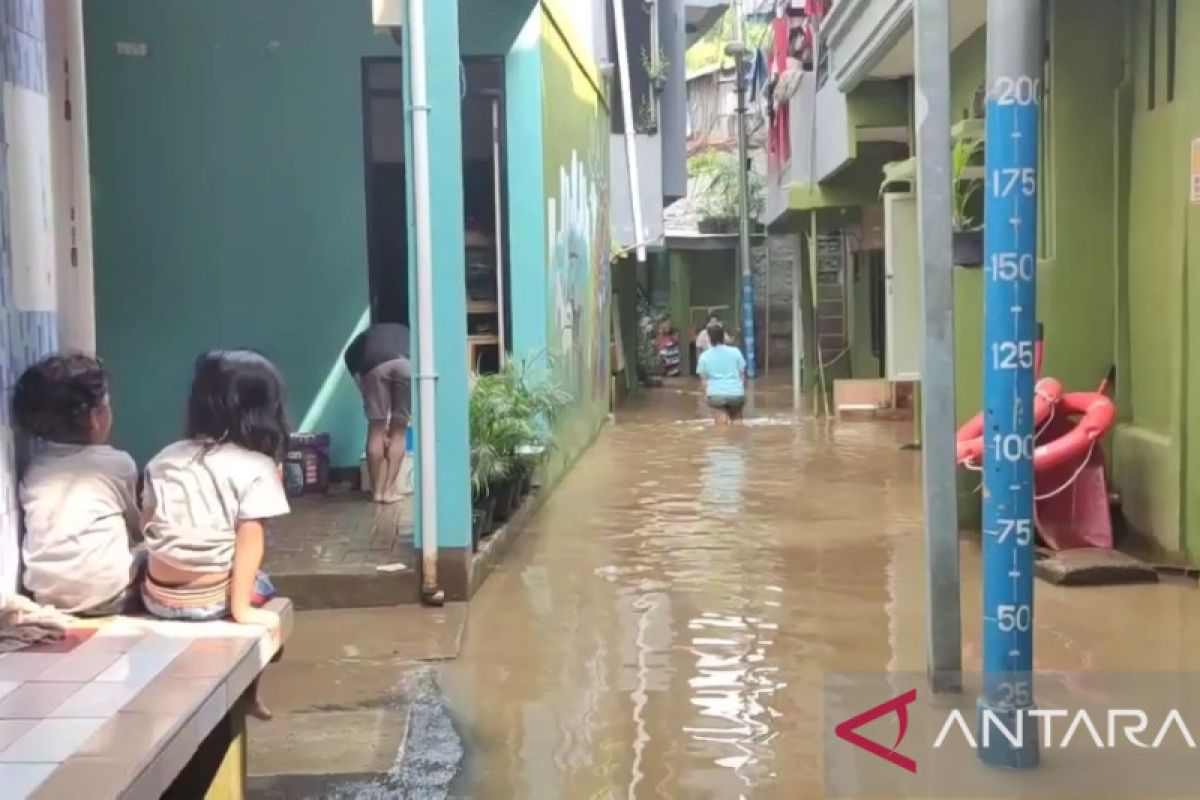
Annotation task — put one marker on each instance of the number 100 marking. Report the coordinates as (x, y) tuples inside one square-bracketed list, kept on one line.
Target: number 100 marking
[(1012, 447)]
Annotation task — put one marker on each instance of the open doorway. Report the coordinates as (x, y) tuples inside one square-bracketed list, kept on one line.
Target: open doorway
[(489, 327), (387, 199)]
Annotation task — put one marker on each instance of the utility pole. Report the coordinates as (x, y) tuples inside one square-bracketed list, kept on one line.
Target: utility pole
[(1016, 50), (943, 602), (739, 49)]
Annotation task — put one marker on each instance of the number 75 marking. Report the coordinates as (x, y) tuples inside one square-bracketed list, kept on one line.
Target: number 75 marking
[(1022, 527)]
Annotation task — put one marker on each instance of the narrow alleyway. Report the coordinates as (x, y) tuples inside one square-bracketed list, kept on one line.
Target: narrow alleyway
[(663, 628)]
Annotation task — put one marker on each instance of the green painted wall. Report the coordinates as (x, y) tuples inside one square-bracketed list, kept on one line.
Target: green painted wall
[(576, 163), (863, 362), (1077, 268), (712, 277), (878, 104), (526, 185), (1157, 452), (855, 185), (227, 171)]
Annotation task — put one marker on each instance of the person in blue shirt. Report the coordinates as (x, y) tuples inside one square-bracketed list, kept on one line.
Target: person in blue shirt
[(723, 370)]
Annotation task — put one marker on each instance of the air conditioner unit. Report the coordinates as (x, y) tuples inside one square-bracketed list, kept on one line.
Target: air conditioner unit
[(387, 13)]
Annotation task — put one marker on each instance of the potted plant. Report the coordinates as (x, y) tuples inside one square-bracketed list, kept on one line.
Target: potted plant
[(647, 121), (968, 231), (510, 419), (721, 207), (658, 69)]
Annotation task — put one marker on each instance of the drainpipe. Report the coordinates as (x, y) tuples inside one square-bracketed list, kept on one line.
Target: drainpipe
[(635, 196), (431, 593), (1016, 52), (943, 622)]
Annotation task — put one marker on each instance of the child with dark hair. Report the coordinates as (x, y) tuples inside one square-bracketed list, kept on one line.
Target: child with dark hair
[(78, 494), (209, 496)]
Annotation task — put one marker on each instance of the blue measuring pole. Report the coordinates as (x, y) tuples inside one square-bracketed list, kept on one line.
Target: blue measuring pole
[(1015, 57), (748, 325)]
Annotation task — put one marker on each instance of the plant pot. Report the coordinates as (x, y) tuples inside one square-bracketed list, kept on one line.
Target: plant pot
[(486, 504), (502, 493), (718, 225), (478, 519), (968, 248)]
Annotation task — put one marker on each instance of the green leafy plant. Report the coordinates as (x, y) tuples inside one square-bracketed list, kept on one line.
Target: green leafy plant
[(647, 121), (721, 191), (658, 68), (511, 416), (964, 188)]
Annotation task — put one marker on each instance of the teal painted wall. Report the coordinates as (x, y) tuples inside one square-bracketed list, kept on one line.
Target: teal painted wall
[(228, 200), (526, 189), (449, 282), (490, 27)]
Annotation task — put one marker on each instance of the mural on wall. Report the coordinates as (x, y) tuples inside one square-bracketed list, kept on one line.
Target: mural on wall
[(576, 139)]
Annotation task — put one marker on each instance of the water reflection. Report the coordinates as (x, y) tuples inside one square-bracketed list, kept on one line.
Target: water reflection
[(721, 479), (663, 628)]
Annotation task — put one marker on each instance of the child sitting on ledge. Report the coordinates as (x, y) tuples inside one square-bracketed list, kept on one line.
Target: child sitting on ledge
[(78, 494), (209, 497)]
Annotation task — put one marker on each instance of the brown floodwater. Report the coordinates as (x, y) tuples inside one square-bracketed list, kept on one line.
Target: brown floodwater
[(663, 628)]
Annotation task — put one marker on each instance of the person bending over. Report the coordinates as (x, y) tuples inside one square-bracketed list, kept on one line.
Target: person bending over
[(378, 359)]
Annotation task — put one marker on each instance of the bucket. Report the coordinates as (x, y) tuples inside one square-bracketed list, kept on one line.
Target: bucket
[(306, 464)]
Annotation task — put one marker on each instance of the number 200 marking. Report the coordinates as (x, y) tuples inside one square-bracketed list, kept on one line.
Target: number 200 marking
[(1022, 91)]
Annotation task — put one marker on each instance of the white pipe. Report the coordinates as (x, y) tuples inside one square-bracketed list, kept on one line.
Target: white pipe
[(426, 375), (497, 174), (635, 196)]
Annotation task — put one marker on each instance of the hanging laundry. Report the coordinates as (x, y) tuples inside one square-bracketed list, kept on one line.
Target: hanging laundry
[(758, 74), (779, 139)]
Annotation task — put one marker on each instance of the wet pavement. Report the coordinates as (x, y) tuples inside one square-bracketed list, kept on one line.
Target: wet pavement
[(663, 628), (327, 552)]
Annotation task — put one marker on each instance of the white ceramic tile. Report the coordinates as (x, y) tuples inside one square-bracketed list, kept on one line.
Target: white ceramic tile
[(80, 665), (156, 642), (98, 700), (27, 666), (51, 740), (8, 687), (36, 700), (137, 667), (20, 780)]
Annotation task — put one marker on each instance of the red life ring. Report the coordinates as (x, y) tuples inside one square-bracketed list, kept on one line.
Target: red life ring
[(970, 447), (1097, 414)]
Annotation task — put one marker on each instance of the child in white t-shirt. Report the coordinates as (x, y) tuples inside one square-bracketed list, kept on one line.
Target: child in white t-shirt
[(78, 494), (209, 497)]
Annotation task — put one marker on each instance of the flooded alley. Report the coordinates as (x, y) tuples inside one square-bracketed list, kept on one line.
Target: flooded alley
[(664, 627)]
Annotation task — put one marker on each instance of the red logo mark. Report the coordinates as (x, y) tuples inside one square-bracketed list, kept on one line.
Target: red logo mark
[(898, 706)]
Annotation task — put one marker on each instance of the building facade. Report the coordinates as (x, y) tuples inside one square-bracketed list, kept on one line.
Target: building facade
[(1120, 118), (232, 175)]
